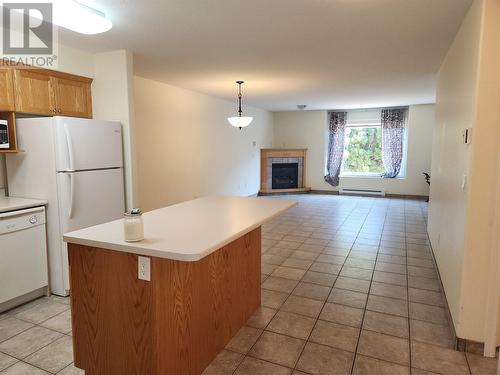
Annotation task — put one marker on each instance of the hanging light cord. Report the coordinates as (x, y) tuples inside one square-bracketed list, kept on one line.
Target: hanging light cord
[(239, 98)]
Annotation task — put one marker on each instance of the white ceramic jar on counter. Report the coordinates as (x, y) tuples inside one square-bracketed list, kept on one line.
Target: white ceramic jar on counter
[(133, 226)]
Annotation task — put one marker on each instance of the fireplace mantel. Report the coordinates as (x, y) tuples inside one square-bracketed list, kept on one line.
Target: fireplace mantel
[(269, 156)]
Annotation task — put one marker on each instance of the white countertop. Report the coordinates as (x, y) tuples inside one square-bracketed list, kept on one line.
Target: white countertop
[(13, 204), (187, 231)]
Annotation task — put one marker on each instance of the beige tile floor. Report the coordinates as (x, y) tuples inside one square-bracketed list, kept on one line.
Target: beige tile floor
[(348, 287), (35, 339)]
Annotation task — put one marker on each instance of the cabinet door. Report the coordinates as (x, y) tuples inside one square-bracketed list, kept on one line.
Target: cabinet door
[(73, 98), (6, 90), (33, 92)]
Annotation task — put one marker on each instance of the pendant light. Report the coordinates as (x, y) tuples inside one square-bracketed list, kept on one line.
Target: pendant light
[(240, 121)]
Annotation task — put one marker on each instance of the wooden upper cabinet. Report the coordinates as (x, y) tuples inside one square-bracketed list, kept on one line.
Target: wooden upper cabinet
[(73, 97), (6, 90), (46, 92), (33, 92)]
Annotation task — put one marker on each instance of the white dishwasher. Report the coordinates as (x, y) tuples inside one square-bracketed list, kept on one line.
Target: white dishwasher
[(23, 256)]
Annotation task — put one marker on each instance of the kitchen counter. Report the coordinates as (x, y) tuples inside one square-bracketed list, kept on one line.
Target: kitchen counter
[(187, 231), (13, 204), (168, 304)]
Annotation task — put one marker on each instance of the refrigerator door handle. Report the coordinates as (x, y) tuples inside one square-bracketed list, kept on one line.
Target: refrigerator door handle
[(69, 143), (71, 195)]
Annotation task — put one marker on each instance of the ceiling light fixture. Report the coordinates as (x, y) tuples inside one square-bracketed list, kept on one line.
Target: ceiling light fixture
[(75, 16), (78, 17), (240, 121)]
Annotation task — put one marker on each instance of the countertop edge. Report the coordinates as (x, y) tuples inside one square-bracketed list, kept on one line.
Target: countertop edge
[(23, 206), (131, 248)]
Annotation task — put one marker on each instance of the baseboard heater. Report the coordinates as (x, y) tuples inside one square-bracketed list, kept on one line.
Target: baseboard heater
[(378, 193)]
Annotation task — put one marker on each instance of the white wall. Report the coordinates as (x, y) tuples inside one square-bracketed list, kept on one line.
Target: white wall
[(75, 61), (461, 218), (454, 111), (309, 129), (112, 99), (304, 129), (186, 148), (483, 179)]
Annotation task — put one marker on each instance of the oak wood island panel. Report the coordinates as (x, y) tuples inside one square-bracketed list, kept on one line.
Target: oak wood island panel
[(180, 320)]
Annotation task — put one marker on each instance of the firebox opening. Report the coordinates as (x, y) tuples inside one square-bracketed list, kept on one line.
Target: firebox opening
[(285, 175)]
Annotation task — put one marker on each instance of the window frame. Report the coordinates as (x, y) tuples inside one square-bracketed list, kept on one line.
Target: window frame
[(360, 174), (403, 174)]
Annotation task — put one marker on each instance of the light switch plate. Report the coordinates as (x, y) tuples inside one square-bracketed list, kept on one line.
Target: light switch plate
[(144, 268)]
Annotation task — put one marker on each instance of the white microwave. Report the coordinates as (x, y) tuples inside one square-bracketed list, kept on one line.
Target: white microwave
[(4, 134)]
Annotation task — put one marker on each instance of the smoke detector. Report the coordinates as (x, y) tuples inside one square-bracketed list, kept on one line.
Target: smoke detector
[(301, 106)]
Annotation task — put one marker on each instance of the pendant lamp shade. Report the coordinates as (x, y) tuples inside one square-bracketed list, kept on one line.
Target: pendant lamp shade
[(240, 121)]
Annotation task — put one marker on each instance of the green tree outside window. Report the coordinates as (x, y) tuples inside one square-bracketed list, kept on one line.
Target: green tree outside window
[(363, 150)]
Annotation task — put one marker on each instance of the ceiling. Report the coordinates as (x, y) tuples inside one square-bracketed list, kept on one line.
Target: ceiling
[(323, 53)]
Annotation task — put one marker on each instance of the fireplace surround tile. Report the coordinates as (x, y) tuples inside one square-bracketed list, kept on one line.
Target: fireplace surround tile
[(282, 156), (276, 160)]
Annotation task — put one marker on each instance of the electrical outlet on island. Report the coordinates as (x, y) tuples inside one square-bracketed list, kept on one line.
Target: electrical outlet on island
[(144, 268)]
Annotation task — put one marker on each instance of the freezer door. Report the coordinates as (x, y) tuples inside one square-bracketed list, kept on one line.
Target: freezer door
[(83, 144), (88, 198)]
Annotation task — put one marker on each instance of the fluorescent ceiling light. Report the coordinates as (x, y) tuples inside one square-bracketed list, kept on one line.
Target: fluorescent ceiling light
[(80, 18), (74, 16)]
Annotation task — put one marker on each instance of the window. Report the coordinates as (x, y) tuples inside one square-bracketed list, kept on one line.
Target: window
[(363, 150), (355, 140)]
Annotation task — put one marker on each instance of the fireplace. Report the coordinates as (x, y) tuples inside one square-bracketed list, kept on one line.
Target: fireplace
[(285, 175), (283, 170)]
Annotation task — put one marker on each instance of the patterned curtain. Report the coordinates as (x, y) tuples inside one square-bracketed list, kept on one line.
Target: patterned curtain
[(335, 147), (393, 132)]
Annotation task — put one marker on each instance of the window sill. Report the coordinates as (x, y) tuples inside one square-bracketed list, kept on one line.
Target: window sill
[(373, 176), (360, 175)]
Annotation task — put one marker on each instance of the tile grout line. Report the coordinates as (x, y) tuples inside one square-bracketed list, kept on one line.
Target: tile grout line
[(36, 351), (408, 295), (347, 257), (247, 354), (34, 325), (8, 312), (279, 309), (326, 300), (368, 294), (346, 261)]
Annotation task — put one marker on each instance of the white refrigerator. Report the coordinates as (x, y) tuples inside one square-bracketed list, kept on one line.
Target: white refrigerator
[(75, 164)]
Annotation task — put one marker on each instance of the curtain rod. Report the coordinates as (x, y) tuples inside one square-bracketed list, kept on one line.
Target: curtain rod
[(368, 109)]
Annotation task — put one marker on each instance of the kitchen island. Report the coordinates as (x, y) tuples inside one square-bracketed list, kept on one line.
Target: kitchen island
[(205, 260)]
